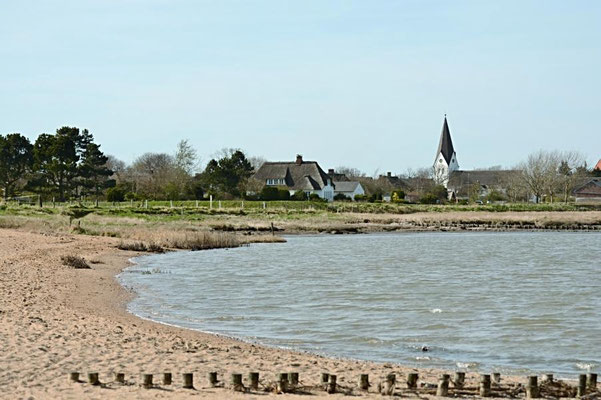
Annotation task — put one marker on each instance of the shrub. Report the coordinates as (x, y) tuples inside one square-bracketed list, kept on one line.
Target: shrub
[(361, 197), (269, 193), (75, 262), (115, 194), (283, 194), (398, 196), (342, 197), (299, 195), (429, 198), (140, 246)]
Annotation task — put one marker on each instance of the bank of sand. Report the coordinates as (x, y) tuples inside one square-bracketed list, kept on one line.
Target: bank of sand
[(55, 319)]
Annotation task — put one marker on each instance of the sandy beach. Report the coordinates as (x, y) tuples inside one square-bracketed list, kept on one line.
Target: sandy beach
[(55, 320)]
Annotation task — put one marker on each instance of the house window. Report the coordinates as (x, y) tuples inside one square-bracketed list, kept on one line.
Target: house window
[(273, 182)]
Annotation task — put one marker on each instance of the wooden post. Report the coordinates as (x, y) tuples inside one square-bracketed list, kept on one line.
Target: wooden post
[(325, 377), (188, 381), (40, 201), (581, 391), (242, 205), (171, 203), (146, 381), (167, 378), (93, 378), (146, 204), (119, 377), (364, 382), (443, 386), (253, 377), (412, 380), (549, 378), (496, 377), (532, 391), (332, 384), (293, 378), (213, 378), (283, 383), (237, 385), (196, 203), (485, 385), (74, 376), (220, 204), (390, 384), (264, 205), (459, 379), (96, 203), (211, 201), (591, 381)]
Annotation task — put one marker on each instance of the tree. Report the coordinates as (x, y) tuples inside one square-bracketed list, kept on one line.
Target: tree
[(228, 174), (151, 172), (93, 170), (16, 161), (186, 158), (571, 169), (539, 173)]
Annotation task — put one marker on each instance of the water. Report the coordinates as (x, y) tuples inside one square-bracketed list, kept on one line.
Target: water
[(511, 302)]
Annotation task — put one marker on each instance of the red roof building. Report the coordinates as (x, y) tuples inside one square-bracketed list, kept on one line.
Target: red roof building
[(598, 166)]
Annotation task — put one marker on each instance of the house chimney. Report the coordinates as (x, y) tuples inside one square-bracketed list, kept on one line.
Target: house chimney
[(389, 174), (331, 171), (299, 159)]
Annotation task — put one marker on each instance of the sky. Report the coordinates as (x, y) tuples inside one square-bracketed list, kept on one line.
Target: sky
[(363, 84)]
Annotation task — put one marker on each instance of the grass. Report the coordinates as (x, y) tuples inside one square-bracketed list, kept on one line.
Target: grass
[(75, 262)]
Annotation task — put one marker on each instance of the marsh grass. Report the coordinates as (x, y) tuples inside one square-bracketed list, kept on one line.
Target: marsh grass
[(75, 262)]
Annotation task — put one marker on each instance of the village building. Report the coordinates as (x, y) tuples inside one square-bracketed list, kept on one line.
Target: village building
[(590, 192), (462, 184), (348, 188), (299, 175)]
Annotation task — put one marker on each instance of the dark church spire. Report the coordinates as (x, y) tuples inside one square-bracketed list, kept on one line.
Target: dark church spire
[(445, 147)]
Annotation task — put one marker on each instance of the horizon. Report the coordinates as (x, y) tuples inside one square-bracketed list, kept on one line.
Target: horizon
[(342, 83)]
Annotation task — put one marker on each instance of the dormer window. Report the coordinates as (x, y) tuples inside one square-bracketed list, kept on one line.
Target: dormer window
[(275, 182)]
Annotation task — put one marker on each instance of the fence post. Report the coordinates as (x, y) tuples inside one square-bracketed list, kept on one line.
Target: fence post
[(211, 201)]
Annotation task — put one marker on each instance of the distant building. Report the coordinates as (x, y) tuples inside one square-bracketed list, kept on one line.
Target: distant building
[(348, 188), (590, 192), (598, 166), (306, 176), (460, 184)]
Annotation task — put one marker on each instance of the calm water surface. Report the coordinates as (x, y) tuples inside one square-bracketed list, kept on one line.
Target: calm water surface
[(513, 302)]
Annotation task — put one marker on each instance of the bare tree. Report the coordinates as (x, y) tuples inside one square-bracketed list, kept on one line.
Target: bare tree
[(572, 169), (118, 167), (350, 172), (540, 174), (257, 162), (186, 157)]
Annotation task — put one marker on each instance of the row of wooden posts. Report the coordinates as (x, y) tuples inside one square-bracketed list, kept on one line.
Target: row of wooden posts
[(289, 381)]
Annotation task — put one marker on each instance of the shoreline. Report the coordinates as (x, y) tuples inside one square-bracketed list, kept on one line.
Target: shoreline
[(55, 320)]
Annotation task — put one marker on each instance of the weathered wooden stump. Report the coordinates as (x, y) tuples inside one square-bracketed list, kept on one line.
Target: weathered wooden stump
[(293, 378), (549, 378), (325, 377), (74, 376), (146, 381), (93, 378), (390, 385), (237, 383), (167, 378), (283, 383), (412, 378), (443, 386), (364, 382), (332, 387), (591, 381), (253, 377), (213, 379), (119, 377), (459, 379), (532, 390), (188, 379), (485, 385), (581, 391), (496, 377)]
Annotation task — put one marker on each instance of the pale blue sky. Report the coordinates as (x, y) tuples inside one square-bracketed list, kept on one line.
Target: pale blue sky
[(357, 83)]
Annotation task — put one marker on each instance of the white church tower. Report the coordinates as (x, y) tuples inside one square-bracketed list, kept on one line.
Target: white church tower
[(446, 158)]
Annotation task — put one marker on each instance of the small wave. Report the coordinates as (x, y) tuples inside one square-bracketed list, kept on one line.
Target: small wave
[(436, 311), (586, 367), (422, 358), (466, 365)]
